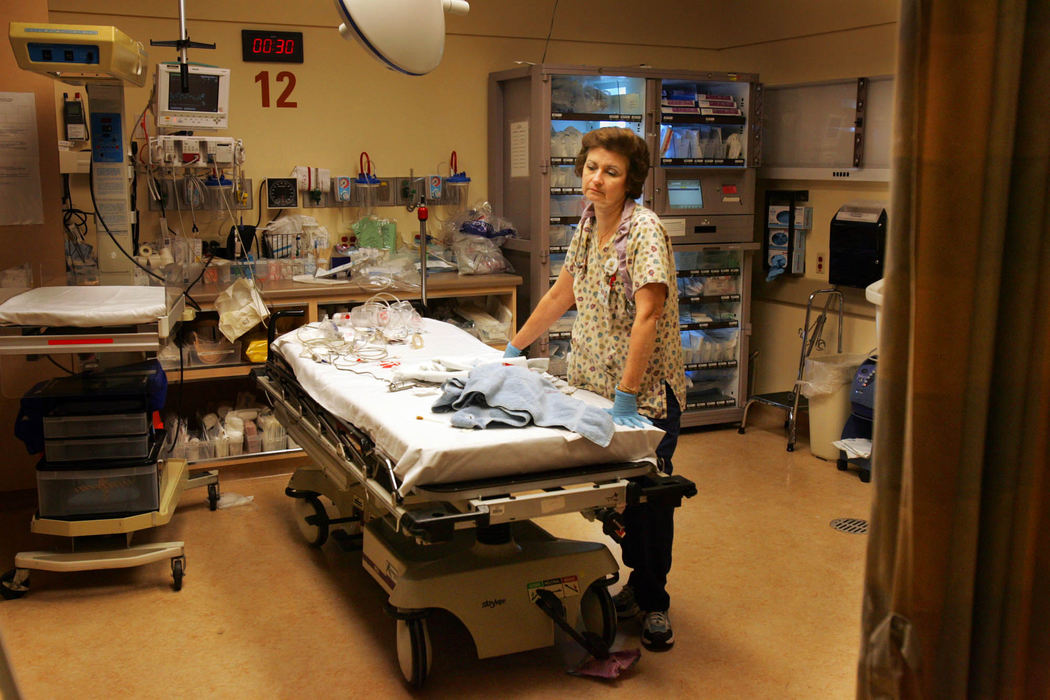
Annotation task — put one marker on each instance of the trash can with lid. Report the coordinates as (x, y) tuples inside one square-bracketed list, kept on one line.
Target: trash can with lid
[(826, 384)]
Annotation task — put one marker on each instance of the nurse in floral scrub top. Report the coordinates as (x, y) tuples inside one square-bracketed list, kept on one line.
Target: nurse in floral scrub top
[(620, 274)]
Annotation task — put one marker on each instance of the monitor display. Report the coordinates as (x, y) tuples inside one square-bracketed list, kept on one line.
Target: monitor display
[(684, 194), (203, 95), (204, 105)]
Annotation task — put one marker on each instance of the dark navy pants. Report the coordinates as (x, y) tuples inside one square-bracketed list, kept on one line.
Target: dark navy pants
[(649, 527)]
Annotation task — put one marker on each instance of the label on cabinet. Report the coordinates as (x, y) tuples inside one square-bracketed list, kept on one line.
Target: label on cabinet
[(675, 227)]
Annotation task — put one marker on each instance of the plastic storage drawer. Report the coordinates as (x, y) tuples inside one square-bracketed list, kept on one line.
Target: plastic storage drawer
[(57, 427), (94, 449), (81, 493)]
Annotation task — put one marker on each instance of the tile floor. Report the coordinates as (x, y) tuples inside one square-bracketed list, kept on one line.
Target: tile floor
[(766, 600)]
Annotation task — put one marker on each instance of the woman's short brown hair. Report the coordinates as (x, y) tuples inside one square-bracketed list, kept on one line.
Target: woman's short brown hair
[(624, 142)]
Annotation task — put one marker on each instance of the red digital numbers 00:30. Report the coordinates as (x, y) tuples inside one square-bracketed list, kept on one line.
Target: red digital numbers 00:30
[(273, 47)]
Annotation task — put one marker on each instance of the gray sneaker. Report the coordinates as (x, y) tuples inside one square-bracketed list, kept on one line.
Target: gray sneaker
[(657, 634), (626, 605)]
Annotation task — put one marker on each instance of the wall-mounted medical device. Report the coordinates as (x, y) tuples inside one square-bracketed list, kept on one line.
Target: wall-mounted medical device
[(79, 54), (195, 151), (206, 105), (104, 60)]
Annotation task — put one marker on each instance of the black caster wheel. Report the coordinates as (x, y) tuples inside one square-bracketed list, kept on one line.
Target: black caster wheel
[(178, 570), (14, 583), (413, 650), (312, 520), (740, 430), (598, 612), (791, 447), (841, 464), (213, 496), (864, 475)]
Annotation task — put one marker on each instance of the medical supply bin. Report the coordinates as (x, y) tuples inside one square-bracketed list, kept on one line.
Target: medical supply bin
[(80, 493), (57, 427), (123, 447)]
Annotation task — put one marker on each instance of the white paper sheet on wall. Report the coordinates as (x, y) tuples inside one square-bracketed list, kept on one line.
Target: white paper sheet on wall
[(21, 200), (519, 149)]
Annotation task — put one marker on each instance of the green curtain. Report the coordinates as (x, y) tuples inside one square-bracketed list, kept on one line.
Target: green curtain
[(957, 589)]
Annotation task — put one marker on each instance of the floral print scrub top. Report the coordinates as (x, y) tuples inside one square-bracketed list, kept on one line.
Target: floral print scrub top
[(605, 307)]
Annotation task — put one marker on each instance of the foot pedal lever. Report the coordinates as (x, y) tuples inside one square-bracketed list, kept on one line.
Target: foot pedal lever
[(555, 610), (612, 523)]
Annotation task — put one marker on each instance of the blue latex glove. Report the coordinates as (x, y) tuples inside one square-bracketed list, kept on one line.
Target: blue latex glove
[(625, 411), (511, 351)]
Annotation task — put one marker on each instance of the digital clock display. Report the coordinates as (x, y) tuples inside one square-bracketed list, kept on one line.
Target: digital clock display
[(259, 46)]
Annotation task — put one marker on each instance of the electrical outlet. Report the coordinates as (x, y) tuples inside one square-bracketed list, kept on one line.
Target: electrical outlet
[(822, 268)]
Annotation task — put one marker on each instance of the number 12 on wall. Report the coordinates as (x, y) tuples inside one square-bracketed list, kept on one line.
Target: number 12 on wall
[(263, 78)]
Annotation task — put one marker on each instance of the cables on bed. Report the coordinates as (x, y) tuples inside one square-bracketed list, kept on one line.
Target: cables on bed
[(360, 335)]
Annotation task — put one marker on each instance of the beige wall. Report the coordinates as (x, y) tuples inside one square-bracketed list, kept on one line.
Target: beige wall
[(779, 307), (41, 245), (348, 103)]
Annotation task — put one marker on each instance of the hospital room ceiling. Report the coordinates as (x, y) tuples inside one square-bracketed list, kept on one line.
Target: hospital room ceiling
[(696, 24)]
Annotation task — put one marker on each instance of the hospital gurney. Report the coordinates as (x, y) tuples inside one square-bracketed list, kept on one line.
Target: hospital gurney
[(444, 513), (99, 319)]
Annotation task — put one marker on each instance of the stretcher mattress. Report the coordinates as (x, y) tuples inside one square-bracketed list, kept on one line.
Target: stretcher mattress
[(424, 446), (84, 307)]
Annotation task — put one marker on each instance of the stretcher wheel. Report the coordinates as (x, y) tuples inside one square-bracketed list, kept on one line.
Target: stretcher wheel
[(598, 612), (413, 650), (14, 584), (213, 496), (841, 464), (178, 570), (312, 520), (865, 475)]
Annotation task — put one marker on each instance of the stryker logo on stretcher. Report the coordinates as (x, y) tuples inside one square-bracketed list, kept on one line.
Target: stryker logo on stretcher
[(493, 603)]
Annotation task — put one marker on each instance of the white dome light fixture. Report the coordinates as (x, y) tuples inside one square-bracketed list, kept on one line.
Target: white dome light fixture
[(408, 36)]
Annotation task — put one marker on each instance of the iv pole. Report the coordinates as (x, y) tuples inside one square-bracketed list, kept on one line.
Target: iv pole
[(422, 214), (182, 44)]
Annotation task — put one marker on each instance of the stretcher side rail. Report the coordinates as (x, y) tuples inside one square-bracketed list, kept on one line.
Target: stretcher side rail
[(339, 460), (352, 443)]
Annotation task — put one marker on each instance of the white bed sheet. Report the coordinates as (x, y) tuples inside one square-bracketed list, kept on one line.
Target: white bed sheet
[(84, 307), (425, 447)]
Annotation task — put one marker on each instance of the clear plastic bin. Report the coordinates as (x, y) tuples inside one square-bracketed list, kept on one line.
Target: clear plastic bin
[(205, 353), (91, 492), (273, 443), (94, 449), (253, 443), (94, 426)]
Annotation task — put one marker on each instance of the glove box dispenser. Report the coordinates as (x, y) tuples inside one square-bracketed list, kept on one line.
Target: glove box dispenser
[(857, 244)]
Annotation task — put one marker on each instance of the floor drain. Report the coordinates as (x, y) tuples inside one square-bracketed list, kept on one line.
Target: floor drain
[(854, 526)]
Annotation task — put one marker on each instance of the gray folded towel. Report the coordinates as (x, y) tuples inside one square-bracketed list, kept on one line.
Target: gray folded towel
[(515, 396)]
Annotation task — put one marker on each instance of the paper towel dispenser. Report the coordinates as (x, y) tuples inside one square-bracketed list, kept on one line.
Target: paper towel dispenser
[(857, 244)]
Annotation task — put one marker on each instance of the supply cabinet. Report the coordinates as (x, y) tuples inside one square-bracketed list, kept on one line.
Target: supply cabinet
[(704, 141)]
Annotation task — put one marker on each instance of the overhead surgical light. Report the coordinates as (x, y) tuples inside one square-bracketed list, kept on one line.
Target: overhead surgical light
[(406, 35)]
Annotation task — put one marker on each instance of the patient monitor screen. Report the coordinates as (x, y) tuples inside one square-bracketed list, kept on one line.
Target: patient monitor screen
[(684, 194), (203, 95)]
